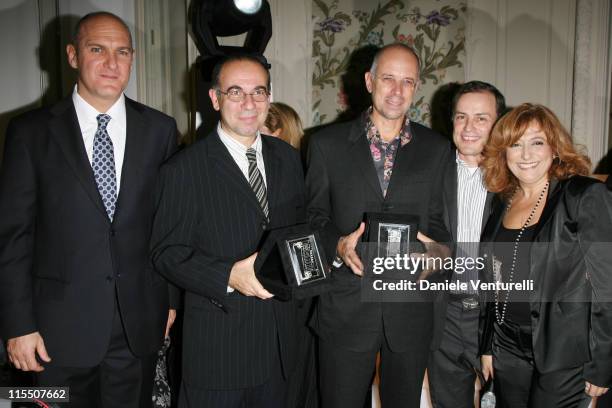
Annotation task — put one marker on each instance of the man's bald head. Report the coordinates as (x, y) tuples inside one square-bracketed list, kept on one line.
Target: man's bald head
[(394, 47), (78, 29)]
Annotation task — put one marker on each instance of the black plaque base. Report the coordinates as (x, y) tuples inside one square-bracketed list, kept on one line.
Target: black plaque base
[(291, 263)]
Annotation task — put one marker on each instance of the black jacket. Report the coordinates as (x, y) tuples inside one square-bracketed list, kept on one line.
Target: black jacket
[(62, 262), (571, 267), (342, 185)]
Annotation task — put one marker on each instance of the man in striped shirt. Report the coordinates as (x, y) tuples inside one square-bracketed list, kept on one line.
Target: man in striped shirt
[(476, 107)]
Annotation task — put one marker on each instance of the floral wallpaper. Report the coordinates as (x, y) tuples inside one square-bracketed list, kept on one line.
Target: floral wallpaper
[(348, 32)]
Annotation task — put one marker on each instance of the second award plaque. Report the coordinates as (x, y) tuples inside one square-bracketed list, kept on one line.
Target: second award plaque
[(291, 263), (391, 234)]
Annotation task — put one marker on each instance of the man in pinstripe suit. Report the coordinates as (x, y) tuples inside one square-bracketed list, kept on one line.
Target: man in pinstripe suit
[(216, 199)]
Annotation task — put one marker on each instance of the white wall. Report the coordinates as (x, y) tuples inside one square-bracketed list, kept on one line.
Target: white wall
[(20, 73), (21, 78), (526, 49), (554, 52)]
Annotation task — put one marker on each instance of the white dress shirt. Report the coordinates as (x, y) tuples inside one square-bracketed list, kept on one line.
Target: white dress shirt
[(471, 198), (116, 128), (238, 152)]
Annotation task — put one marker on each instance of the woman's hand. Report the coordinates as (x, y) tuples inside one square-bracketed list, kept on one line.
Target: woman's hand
[(486, 365)]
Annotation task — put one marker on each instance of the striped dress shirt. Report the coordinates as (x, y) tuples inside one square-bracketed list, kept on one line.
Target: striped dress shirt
[(471, 198)]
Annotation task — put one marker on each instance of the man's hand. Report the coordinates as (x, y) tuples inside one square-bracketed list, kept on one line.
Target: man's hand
[(242, 278), (170, 322), (433, 251), (486, 365), (593, 390), (22, 352), (346, 250)]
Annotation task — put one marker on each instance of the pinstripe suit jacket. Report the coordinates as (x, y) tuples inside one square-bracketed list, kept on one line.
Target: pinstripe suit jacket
[(207, 219)]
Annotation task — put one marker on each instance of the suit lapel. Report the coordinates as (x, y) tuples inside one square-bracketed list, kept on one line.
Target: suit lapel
[(403, 163), (133, 159), (551, 203), (450, 197), (497, 216), (229, 171), (67, 134), (487, 210), (359, 151)]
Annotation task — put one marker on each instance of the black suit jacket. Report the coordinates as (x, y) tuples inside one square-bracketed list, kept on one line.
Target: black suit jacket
[(208, 219), (571, 305), (60, 256), (450, 206), (342, 185)]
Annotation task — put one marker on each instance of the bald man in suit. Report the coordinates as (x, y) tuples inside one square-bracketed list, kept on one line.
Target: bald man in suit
[(80, 303)]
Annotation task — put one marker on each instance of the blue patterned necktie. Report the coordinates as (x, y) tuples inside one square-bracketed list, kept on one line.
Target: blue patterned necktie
[(103, 165), (256, 180)]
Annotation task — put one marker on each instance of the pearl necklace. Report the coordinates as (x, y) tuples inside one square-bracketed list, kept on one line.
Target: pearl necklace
[(501, 316)]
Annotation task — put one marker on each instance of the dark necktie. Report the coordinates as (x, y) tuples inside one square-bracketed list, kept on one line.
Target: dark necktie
[(103, 165), (256, 181)]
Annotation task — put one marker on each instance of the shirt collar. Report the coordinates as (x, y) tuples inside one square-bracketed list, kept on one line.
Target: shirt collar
[(374, 136), (461, 163), (236, 145), (87, 114)]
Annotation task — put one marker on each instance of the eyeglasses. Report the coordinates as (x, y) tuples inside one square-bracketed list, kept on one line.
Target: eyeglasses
[(389, 81), (238, 94)]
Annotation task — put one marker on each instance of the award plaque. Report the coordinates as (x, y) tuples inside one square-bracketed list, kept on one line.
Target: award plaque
[(393, 239), (392, 234), (388, 236), (291, 263), (306, 262)]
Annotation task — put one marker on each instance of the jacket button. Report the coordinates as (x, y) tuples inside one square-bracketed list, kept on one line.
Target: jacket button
[(535, 314), (109, 278), (387, 207), (112, 232)]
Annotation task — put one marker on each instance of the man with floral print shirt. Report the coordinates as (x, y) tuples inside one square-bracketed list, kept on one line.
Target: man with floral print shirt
[(381, 162)]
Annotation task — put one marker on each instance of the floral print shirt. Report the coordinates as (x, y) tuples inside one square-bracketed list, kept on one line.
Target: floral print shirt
[(383, 153)]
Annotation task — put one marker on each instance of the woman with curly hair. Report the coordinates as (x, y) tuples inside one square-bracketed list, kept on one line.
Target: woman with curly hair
[(549, 343)]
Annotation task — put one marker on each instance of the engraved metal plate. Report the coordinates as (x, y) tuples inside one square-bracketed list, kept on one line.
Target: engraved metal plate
[(393, 239), (305, 259)]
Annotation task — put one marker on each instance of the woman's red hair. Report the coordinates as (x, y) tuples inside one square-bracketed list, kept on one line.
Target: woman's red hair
[(509, 129)]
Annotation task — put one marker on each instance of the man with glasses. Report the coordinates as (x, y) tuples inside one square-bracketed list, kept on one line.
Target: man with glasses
[(216, 200), (381, 162)]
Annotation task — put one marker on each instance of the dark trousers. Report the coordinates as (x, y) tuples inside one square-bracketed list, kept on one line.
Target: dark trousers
[(519, 384), (270, 394), (346, 376), (302, 384), (121, 380), (451, 367)]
